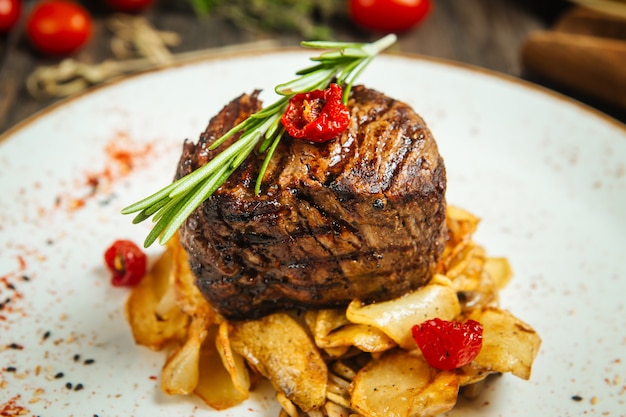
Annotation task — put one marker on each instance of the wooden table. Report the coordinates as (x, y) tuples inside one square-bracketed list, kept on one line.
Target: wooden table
[(484, 33)]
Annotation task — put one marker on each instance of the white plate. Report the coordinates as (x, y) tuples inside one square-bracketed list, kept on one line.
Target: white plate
[(546, 175)]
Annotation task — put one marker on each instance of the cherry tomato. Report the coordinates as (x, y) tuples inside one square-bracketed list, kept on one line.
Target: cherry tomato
[(59, 27), (389, 15), (448, 345), (129, 6), (126, 262), (9, 14)]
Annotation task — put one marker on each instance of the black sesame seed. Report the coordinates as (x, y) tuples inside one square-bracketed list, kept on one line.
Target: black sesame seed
[(46, 335), (78, 387), (10, 286), (577, 398), (16, 346), (59, 375), (11, 369), (378, 204), (76, 357), (89, 361), (68, 385), (25, 278)]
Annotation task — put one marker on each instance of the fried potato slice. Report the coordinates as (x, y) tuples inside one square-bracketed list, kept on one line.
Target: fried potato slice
[(221, 386), (401, 384), (461, 226), (461, 222), (332, 330), (364, 337), (466, 267), (233, 362), (500, 271), (181, 370), (327, 320), (282, 351), (509, 345), (188, 297), (396, 317), (150, 329)]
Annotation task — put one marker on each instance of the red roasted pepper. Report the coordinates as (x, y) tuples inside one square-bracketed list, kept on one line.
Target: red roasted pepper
[(126, 262), (318, 115), (448, 345)]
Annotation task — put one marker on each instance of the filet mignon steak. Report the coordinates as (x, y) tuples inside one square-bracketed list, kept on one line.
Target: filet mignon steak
[(359, 217)]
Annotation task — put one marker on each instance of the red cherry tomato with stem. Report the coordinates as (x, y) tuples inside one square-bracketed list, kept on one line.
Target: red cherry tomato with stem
[(389, 15), (126, 262), (129, 6), (59, 27), (9, 14)]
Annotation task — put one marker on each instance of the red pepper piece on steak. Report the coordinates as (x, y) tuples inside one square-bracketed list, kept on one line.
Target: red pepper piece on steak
[(359, 217)]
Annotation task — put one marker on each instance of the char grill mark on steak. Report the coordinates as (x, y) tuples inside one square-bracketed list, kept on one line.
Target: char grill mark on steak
[(196, 155), (359, 217)]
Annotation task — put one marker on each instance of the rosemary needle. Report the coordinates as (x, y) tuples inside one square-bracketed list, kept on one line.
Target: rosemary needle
[(170, 206)]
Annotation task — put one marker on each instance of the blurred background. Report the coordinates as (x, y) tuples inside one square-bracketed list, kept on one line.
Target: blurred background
[(57, 48)]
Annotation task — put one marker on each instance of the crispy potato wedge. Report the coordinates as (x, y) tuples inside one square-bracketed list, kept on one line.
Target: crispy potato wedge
[(282, 351), (396, 317), (148, 328), (509, 344), (401, 384)]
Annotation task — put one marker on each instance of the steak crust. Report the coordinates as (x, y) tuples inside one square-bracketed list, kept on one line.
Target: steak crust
[(359, 217)]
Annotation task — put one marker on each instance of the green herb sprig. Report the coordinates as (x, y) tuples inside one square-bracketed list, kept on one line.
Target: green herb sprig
[(310, 19), (170, 206)]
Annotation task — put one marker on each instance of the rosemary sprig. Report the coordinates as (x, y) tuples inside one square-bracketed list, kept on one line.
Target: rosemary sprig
[(169, 207)]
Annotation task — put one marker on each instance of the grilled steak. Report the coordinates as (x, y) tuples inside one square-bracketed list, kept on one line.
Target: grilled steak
[(359, 217)]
